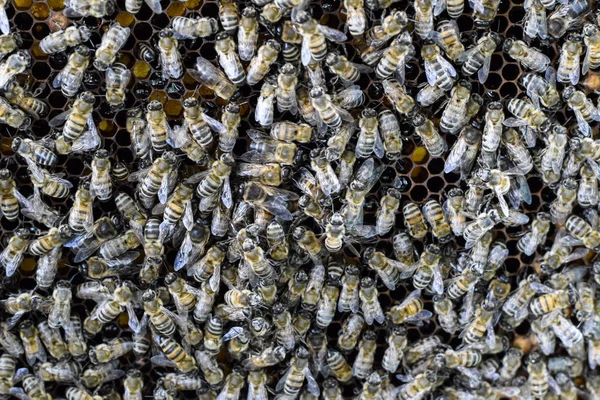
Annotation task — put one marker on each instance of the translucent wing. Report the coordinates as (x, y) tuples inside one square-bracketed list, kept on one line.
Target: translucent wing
[(411, 296), (313, 386), (514, 122), (155, 6), (431, 73), (586, 61), (438, 281), (456, 155), (226, 196), (467, 54), (484, 71), (89, 140), (574, 74), (440, 6), (215, 125), (282, 381), (305, 52), (4, 24), (582, 124), (332, 34), (447, 66), (378, 149), (60, 118), (188, 216)]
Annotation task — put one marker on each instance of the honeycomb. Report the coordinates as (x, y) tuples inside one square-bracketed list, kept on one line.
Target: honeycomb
[(419, 176)]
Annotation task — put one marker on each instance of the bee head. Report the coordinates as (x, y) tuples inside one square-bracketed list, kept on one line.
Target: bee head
[(300, 17), (165, 33), (149, 295), (102, 153), (274, 44), (369, 113), (368, 253), (154, 105), (496, 38), (332, 58), (568, 92), (431, 376), (18, 39), (4, 173), (134, 373), (233, 108), (170, 278), (190, 102), (317, 91), (222, 36), (399, 330), (64, 231), (508, 43), (590, 30), (249, 12), (288, 69), (88, 97), (278, 308)]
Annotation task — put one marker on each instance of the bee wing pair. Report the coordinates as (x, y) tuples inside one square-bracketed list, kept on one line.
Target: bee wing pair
[(332, 34)]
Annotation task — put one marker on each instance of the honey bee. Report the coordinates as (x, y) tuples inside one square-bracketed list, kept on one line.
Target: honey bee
[(101, 183), (13, 254), (529, 57), (155, 180), (265, 107), (424, 25), (9, 42), (16, 95), (391, 26), (228, 15), (136, 126), (414, 220), (286, 90), (112, 42), (370, 305), (117, 79), (438, 70), (228, 58), (70, 37), (568, 64), (538, 374), (517, 152), (9, 341), (247, 34), (213, 78), (385, 216), (63, 371), (15, 64), (339, 366), (314, 37), (432, 211), (10, 198), (542, 90), (526, 114), (97, 9), (424, 128), (532, 239), (418, 387), (356, 17), (292, 381), (33, 388), (13, 117), (410, 310), (69, 79), (261, 63), (587, 193), (463, 153), (173, 355), (327, 112), (193, 28), (54, 238), (34, 350), (583, 108), (447, 37), (592, 41), (344, 69), (581, 232), (550, 300)]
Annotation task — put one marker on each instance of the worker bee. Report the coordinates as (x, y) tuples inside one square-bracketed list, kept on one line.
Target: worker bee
[(424, 25), (9, 42), (464, 152), (16, 95), (173, 355), (410, 310), (592, 41), (247, 34), (529, 57), (581, 232), (193, 28), (10, 198), (228, 58), (101, 182), (583, 108), (74, 137), (419, 386), (13, 117), (117, 79), (363, 364), (454, 212), (97, 9), (291, 382), (432, 211), (314, 37), (517, 152), (69, 79), (385, 216), (199, 124), (454, 113), (170, 59), (529, 242), (414, 220), (356, 17), (526, 114), (447, 37), (561, 208), (587, 193), (344, 69), (34, 350), (228, 15), (403, 103), (378, 35), (535, 20), (434, 143), (55, 237), (370, 305), (15, 64), (538, 374), (155, 180), (478, 58), (13, 254), (369, 139), (261, 63), (568, 64), (59, 41), (112, 42), (136, 126), (438, 70), (265, 107), (215, 79), (264, 149)]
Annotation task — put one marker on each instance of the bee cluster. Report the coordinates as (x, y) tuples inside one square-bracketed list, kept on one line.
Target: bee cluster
[(228, 206)]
